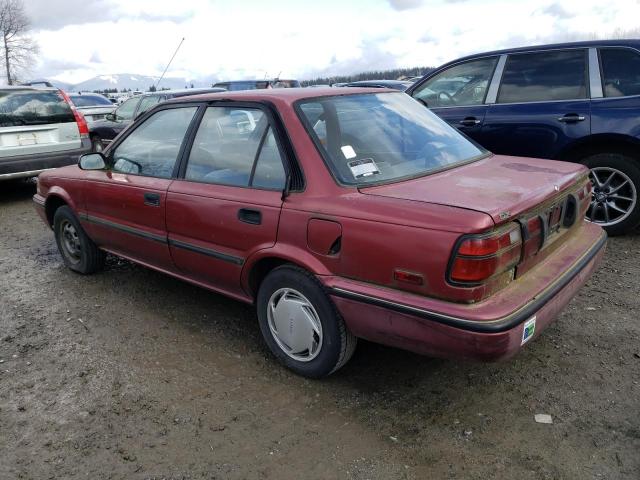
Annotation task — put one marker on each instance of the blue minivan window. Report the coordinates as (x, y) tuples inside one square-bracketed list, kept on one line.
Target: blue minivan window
[(544, 76), (620, 72), (374, 138)]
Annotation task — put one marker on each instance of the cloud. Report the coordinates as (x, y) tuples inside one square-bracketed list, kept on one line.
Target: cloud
[(95, 58), (428, 38), (558, 11), (405, 4), (48, 15), (150, 17), (239, 39), (371, 57), (54, 67)]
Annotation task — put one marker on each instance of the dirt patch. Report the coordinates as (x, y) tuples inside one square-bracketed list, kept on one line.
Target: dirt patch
[(131, 374)]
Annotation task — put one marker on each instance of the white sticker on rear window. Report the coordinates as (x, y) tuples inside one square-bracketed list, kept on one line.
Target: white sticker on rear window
[(528, 330), (348, 152), (363, 168)]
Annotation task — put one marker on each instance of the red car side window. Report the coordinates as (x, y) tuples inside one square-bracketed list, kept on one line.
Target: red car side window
[(152, 148), (226, 147)]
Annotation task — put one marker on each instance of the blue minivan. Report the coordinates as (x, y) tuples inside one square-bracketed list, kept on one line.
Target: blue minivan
[(577, 102)]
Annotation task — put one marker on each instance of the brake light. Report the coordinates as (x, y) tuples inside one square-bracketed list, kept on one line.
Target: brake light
[(83, 127), (480, 257)]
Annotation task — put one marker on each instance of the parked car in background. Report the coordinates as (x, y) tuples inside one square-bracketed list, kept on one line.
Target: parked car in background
[(578, 102), (401, 85), (305, 203), (93, 106), (103, 132), (236, 85), (40, 129)]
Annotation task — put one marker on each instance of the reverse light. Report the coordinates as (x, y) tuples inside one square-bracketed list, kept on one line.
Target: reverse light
[(533, 237), (584, 195), (479, 257)]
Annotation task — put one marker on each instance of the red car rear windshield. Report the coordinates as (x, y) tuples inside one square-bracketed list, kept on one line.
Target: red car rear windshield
[(383, 137)]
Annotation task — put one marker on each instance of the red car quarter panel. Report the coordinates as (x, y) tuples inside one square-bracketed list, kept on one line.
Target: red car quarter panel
[(340, 214)]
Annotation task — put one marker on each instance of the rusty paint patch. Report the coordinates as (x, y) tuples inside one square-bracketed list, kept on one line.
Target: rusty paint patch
[(523, 167)]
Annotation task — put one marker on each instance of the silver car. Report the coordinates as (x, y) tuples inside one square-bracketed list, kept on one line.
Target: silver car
[(92, 105), (40, 129)]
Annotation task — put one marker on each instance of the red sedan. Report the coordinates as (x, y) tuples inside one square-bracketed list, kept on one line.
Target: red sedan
[(341, 214)]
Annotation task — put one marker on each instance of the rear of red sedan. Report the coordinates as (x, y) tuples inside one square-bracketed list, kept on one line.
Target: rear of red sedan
[(446, 249)]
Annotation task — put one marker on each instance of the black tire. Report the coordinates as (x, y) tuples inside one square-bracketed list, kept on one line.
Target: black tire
[(84, 256), (96, 143), (601, 164), (338, 344)]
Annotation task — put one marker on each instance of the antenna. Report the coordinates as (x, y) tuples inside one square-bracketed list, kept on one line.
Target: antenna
[(167, 67)]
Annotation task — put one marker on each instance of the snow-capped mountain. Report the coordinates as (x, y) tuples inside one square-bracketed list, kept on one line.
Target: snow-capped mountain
[(131, 81)]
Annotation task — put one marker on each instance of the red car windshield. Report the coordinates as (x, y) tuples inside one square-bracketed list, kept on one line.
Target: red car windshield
[(383, 137)]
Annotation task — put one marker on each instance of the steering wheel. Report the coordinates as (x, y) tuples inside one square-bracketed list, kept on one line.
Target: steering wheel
[(128, 163), (446, 95)]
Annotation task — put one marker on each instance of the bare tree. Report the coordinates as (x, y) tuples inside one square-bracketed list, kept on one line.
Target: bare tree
[(18, 48)]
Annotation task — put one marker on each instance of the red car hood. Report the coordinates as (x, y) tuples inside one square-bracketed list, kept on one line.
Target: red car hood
[(501, 186)]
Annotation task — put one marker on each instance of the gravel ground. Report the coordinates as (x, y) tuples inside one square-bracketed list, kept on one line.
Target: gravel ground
[(131, 374)]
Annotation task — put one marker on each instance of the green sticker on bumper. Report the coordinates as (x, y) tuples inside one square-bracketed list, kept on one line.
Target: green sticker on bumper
[(528, 330)]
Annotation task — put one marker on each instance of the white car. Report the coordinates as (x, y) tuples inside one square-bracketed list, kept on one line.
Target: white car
[(40, 129), (92, 105)]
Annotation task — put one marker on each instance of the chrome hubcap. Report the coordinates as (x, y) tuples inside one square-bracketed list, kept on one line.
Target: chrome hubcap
[(71, 241), (294, 324), (613, 197)]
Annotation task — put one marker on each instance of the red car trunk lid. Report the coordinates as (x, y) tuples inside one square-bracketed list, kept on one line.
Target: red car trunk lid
[(500, 186)]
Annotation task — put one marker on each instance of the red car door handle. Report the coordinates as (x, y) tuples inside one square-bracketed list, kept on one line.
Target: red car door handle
[(152, 199), (247, 215)]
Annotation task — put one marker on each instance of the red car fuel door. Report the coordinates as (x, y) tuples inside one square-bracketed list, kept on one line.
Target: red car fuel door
[(125, 206), (227, 205)]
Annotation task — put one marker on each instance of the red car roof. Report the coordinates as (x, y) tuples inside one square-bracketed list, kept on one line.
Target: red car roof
[(288, 95)]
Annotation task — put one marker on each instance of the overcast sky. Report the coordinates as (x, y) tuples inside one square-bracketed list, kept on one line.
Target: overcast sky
[(298, 38)]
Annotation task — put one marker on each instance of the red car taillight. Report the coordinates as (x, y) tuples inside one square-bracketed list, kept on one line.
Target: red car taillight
[(584, 195), (480, 257), (533, 237), (83, 128)]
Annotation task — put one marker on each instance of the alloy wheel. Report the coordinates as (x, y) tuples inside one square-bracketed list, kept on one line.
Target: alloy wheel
[(613, 197)]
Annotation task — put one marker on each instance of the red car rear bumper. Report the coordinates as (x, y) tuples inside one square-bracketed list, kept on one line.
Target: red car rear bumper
[(490, 330)]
